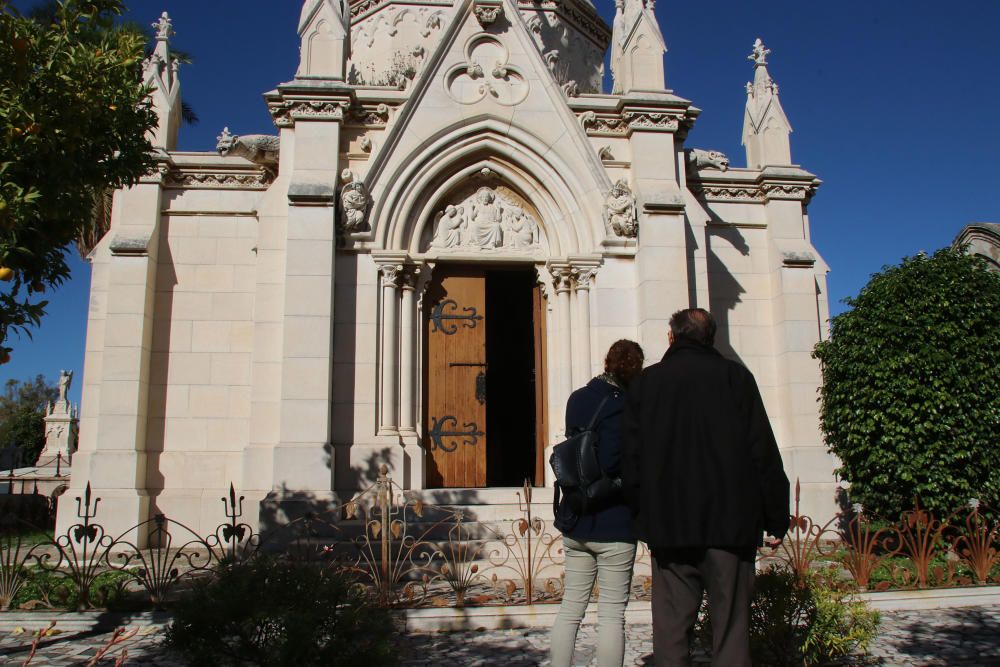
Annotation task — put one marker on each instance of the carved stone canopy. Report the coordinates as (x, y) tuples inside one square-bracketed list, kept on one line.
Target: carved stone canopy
[(490, 219)]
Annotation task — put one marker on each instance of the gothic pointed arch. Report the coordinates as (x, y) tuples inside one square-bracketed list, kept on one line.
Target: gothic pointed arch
[(410, 196)]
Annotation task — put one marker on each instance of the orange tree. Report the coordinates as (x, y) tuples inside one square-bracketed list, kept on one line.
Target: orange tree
[(910, 401), (74, 118)]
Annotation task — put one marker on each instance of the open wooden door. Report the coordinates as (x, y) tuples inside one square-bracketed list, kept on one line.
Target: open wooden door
[(455, 418)]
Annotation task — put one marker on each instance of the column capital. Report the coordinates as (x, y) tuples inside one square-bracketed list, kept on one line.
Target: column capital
[(411, 276), (584, 270), (391, 274), (563, 276)]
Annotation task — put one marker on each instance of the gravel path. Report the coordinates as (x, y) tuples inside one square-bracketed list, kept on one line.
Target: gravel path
[(947, 637)]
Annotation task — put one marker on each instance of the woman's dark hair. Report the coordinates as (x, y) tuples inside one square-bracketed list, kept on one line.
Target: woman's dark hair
[(624, 361)]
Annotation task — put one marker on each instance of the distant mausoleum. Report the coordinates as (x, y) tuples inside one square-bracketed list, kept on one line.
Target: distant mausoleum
[(450, 228), (983, 240)]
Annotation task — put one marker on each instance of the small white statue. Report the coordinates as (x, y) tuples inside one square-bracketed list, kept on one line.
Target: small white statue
[(620, 210), (65, 380), (485, 230)]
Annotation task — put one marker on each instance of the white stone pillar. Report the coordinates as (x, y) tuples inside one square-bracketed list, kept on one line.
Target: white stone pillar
[(562, 282), (407, 353), (389, 396), (584, 363)]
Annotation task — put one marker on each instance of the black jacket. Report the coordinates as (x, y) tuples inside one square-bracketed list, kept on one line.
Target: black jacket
[(611, 523), (701, 466)]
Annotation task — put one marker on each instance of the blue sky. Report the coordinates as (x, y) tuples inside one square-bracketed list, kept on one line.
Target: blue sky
[(895, 106)]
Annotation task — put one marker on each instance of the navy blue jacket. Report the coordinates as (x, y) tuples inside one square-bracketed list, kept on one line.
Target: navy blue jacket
[(612, 523)]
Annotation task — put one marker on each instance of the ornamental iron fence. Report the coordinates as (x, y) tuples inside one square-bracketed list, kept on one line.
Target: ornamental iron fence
[(410, 553)]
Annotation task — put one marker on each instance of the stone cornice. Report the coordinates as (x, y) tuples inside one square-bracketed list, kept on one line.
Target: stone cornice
[(209, 171), (308, 101), (362, 9), (256, 178), (614, 116), (579, 15), (758, 186)]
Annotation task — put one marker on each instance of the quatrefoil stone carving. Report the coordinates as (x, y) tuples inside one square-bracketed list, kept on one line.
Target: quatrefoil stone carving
[(486, 74)]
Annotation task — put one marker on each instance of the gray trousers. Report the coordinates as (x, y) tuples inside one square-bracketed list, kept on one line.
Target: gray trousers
[(610, 564), (680, 576)]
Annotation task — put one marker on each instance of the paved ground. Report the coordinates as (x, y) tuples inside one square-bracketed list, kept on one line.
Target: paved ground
[(954, 637)]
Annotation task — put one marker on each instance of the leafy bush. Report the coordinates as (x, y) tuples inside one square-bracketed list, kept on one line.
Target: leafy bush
[(45, 588), (271, 612), (911, 393), (796, 624)]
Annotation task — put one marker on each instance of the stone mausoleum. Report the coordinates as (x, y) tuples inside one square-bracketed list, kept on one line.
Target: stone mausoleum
[(451, 226)]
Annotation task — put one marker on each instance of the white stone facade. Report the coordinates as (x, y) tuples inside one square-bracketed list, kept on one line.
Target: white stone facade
[(258, 317)]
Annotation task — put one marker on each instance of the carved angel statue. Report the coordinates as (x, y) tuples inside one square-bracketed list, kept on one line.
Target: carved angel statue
[(485, 227), (519, 228), (620, 210), (449, 225)]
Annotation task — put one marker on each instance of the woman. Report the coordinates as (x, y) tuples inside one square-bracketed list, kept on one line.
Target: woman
[(599, 544)]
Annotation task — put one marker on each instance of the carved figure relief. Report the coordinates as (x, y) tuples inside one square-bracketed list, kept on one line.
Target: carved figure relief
[(389, 47), (486, 74), (619, 210), (485, 220), (576, 62), (354, 202)]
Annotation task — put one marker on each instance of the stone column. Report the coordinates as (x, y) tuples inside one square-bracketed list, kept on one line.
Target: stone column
[(583, 361), (562, 282), (407, 353), (388, 421)]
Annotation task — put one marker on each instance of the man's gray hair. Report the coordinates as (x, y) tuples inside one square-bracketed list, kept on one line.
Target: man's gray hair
[(696, 324)]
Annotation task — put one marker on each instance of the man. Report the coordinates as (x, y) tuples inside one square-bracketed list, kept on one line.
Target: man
[(704, 478)]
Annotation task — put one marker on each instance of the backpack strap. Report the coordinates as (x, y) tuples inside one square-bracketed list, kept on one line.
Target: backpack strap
[(590, 427), (593, 420)]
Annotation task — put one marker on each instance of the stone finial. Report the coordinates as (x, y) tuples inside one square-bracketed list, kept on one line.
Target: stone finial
[(765, 127), (760, 53), (159, 72)]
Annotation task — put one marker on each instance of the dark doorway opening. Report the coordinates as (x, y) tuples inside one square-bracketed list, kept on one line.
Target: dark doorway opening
[(511, 377)]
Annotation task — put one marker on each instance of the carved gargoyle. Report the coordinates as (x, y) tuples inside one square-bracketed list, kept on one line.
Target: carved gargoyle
[(262, 149), (700, 159)]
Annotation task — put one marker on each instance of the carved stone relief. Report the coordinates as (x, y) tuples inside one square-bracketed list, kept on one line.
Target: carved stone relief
[(486, 74), (389, 47), (262, 149), (354, 201), (619, 210), (486, 220), (576, 62)]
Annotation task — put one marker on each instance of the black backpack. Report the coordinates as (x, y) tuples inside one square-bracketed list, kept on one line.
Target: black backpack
[(579, 476)]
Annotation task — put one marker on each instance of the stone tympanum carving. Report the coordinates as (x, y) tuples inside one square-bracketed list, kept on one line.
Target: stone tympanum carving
[(619, 210), (263, 149), (485, 221)]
